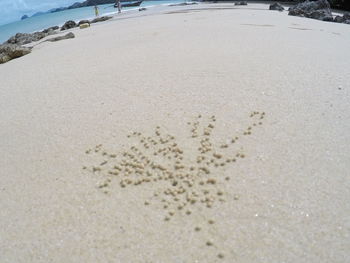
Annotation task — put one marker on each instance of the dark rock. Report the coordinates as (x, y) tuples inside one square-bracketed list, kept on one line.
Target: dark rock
[(24, 38), (346, 16), (317, 10), (11, 51), (24, 17), (100, 19), (324, 17), (338, 19), (241, 3), (68, 25), (319, 14), (276, 6), (50, 29), (342, 19), (83, 22), (66, 36), (142, 9)]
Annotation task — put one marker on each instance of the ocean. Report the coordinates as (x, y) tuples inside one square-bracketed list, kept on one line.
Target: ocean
[(41, 22)]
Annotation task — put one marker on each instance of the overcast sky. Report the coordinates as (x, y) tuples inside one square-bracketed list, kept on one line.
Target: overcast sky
[(12, 10)]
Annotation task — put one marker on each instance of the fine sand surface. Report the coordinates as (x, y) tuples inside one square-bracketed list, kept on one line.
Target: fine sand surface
[(279, 193)]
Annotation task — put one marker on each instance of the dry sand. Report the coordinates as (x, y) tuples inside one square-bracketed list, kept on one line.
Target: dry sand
[(287, 200)]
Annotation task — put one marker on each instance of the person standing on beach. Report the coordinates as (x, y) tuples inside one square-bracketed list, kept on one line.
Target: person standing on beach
[(119, 6), (96, 10)]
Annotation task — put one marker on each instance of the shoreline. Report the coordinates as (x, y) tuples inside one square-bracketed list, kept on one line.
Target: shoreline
[(59, 24)]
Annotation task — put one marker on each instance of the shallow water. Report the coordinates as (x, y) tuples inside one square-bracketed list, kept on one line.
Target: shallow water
[(52, 19)]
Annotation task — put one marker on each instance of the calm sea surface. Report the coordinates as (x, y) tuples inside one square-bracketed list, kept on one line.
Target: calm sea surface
[(38, 23)]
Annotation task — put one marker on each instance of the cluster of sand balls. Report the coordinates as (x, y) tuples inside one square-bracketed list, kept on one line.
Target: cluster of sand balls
[(181, 181)]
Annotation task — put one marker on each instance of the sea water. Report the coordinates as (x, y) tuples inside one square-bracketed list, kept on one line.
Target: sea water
[(41, 22)]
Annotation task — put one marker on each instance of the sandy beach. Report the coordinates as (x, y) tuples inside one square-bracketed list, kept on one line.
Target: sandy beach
[(242, 114)]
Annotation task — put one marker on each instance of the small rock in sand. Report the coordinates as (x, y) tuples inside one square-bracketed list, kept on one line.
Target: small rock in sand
[(67, 36), (101, 19), (277, 7), (82, 26), (83, 22)]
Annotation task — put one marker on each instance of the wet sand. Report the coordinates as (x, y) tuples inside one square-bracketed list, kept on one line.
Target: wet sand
[(240, 116)]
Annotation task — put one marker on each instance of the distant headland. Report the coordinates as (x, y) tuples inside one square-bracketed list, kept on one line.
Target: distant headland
[(73, 6)]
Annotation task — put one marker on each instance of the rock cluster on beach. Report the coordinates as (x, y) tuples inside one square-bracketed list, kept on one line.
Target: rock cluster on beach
[(320, 10), (343, 19), (11, 51), (185, 176), (26, 38), (72, 24), (12, 48)]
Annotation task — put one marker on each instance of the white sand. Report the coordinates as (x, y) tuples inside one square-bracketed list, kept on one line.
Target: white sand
[(164, 69)]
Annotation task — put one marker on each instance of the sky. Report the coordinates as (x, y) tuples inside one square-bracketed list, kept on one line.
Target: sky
[(12, 10)]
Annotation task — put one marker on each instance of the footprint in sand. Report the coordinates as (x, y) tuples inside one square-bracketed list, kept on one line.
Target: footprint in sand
[(299, 28)]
